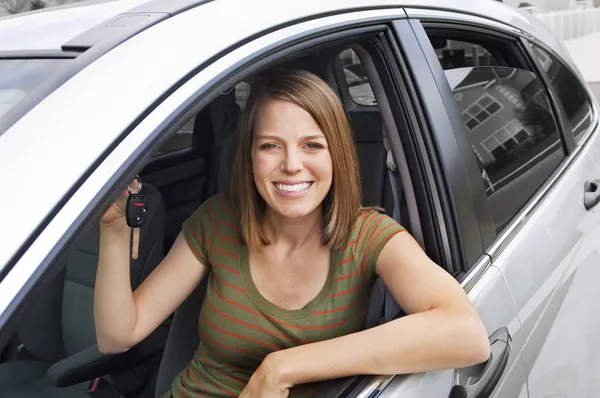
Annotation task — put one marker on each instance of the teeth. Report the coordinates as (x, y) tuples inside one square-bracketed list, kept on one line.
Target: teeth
[(293, 188)]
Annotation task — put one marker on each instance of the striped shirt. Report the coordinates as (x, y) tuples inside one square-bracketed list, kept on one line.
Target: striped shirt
[(238, 327)]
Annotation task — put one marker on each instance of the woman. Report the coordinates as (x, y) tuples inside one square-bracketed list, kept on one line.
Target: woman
[(292, 258)]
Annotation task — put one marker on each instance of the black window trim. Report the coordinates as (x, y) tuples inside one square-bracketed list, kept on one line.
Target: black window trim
[(464, 184)]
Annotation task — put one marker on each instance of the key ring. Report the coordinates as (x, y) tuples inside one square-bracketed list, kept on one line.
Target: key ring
[(137, 177)]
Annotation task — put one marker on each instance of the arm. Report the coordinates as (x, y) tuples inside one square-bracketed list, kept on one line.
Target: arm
[(124, 318), (441, 330)]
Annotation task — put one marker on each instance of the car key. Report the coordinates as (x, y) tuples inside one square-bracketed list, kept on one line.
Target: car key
[(135, 214)]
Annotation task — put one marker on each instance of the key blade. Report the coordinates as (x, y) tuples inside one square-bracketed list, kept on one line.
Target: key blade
[(135, 243)]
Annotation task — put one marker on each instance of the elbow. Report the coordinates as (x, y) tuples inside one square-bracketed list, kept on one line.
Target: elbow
[(111, 347)]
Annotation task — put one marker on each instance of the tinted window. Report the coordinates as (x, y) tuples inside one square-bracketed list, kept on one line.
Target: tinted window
[(356, 79), (512, 131), (180, 140), (571, 94), (456, 53), (19, 77)]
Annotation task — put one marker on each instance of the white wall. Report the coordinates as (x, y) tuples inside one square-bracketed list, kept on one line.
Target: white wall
[(553, 5)]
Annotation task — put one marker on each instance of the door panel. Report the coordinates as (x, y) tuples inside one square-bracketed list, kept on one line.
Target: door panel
[(551, 267), (493, 302)]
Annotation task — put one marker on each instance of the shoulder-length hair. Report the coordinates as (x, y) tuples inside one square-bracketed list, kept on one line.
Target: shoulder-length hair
[(343, 202)]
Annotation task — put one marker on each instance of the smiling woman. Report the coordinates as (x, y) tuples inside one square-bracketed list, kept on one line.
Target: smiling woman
[(292, 257), (317, 149)]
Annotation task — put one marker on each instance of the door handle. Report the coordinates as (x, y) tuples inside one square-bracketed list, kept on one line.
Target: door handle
[(479, 381), (591, 193)]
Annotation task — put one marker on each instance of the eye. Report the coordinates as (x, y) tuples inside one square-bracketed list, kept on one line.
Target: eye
[(268, 146), (314, 145)]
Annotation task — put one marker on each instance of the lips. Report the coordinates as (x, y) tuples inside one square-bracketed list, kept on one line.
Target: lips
[(293, 187)]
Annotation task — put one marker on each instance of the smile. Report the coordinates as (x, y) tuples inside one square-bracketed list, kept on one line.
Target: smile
[(296, 188)]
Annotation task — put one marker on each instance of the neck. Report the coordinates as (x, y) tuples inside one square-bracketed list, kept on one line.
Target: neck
[(294, 232)]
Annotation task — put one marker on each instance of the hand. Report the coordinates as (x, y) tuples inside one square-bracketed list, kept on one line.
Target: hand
[(116, 211), (265, 382)]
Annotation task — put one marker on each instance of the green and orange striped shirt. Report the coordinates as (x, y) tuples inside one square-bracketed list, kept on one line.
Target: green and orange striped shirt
[(238, 327)]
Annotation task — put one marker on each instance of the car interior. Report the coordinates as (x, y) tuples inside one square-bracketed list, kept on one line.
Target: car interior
[(53, 352)]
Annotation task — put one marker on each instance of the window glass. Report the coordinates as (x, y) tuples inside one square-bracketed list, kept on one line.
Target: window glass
[(19, 77), (180, 140), (571, 94), (459, 54), (512, 131), (356, 79)]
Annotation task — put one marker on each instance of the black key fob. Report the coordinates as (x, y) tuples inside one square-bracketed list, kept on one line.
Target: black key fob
[(136, 210)]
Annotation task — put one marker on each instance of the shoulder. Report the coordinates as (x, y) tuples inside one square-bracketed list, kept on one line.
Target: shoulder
[(218, 206), (370, 219), (372, 226), (215, 211)]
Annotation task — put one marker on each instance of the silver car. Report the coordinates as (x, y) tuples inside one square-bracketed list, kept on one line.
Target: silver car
[(473, 127)]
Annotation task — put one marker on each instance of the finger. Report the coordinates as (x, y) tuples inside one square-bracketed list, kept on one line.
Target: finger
[(134, 187)]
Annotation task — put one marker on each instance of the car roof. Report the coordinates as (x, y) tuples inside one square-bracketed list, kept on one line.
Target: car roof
[(51, 28)]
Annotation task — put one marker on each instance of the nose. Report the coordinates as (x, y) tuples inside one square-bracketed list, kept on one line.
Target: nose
[(292, 162)]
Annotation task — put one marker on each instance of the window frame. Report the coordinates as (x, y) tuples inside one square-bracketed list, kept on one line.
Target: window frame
[(492, 240)]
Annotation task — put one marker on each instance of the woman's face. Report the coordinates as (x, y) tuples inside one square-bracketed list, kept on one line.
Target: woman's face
[(290, 159)]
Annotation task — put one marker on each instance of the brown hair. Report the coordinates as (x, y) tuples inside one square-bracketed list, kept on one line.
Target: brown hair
[(343, 202)]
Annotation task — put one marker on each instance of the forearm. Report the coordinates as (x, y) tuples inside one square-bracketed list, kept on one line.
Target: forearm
[(425, 341), (114, 308)]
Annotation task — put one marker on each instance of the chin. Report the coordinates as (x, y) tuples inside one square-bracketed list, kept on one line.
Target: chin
[(294, 211)]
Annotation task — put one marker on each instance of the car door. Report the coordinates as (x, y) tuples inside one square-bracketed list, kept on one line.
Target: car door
[(503, 375), (559, 315), (534, 179)]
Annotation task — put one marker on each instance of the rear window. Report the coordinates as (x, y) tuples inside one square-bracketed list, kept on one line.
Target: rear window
[(20, 77)]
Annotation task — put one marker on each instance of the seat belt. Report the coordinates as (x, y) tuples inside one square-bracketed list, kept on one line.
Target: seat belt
[(393, 175), (389, 308), (396, 191)]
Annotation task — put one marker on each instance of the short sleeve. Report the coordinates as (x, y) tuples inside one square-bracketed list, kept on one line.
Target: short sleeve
[(374, 231), (199, 230)]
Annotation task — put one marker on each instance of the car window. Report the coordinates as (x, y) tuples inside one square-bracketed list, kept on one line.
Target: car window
[(20, 77), (457, 53), (510, 125), (180, 140), (571, 94), (356, 79)]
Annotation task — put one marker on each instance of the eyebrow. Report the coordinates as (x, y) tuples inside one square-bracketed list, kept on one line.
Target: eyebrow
[(274, 137)]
